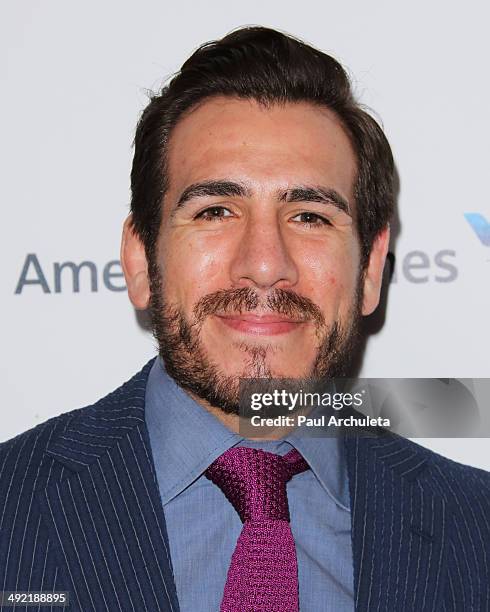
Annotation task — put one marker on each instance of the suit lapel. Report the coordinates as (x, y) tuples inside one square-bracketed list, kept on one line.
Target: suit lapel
[(104, 513), (398, 525)]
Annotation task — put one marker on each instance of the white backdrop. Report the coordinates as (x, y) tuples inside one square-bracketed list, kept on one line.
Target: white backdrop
[(74, 79)]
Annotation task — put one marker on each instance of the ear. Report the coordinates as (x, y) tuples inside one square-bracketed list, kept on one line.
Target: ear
[(373, 277), (135, 266)]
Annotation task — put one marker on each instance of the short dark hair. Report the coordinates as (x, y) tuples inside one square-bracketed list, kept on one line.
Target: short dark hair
[(270, 67)]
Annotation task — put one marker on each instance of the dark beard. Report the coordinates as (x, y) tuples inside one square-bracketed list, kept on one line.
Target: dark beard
[(185, 358)]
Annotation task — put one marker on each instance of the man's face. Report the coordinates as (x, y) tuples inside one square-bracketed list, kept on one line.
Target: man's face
[(257, 266)]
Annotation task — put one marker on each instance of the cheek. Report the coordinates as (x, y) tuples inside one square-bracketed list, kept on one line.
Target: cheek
[(190, 269), (329, 277), (330, 268), (330, 291)]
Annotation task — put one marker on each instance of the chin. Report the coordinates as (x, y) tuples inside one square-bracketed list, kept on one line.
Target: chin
[(254, 362)]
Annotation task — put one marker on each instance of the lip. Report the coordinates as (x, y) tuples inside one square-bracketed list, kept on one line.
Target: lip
[(261, 325)]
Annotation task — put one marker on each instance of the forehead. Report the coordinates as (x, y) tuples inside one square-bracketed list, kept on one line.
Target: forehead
[(265, 147)]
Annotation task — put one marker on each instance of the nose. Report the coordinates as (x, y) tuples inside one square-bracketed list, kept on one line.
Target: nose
[(262, 258)]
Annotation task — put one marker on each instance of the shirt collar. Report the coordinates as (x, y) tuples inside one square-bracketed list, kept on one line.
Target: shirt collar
[(185, 439), (326, 458)]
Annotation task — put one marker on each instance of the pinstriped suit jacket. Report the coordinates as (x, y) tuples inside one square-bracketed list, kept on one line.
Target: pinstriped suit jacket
[(80, 511)]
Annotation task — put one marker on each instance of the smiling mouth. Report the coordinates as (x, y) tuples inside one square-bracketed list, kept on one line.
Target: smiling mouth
[(267, 324)]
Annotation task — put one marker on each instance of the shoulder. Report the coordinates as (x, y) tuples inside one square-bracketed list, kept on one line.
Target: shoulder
[(459, 485), (22, 457), (451, 497), (464, 488), (451, 469)]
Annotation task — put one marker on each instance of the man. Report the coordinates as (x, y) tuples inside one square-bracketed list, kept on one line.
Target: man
[(259, 227)]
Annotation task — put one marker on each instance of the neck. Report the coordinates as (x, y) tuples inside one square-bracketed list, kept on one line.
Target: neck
[(238, 424)]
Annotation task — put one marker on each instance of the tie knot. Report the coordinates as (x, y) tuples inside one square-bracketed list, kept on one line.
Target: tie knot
[(254, 481)]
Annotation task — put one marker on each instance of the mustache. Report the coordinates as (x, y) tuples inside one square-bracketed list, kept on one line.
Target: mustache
[(247, 299)]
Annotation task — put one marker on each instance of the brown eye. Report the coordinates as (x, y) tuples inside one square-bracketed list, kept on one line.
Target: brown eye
[(310, 218), (213, 213)]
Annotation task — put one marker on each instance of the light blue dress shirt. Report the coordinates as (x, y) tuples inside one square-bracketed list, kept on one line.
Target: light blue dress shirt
[(203, 526)]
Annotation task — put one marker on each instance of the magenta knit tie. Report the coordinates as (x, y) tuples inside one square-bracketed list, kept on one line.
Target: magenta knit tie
[(263, 574)]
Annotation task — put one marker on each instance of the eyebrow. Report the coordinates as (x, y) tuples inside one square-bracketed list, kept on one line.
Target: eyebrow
[(226, 189), (317, 194)]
